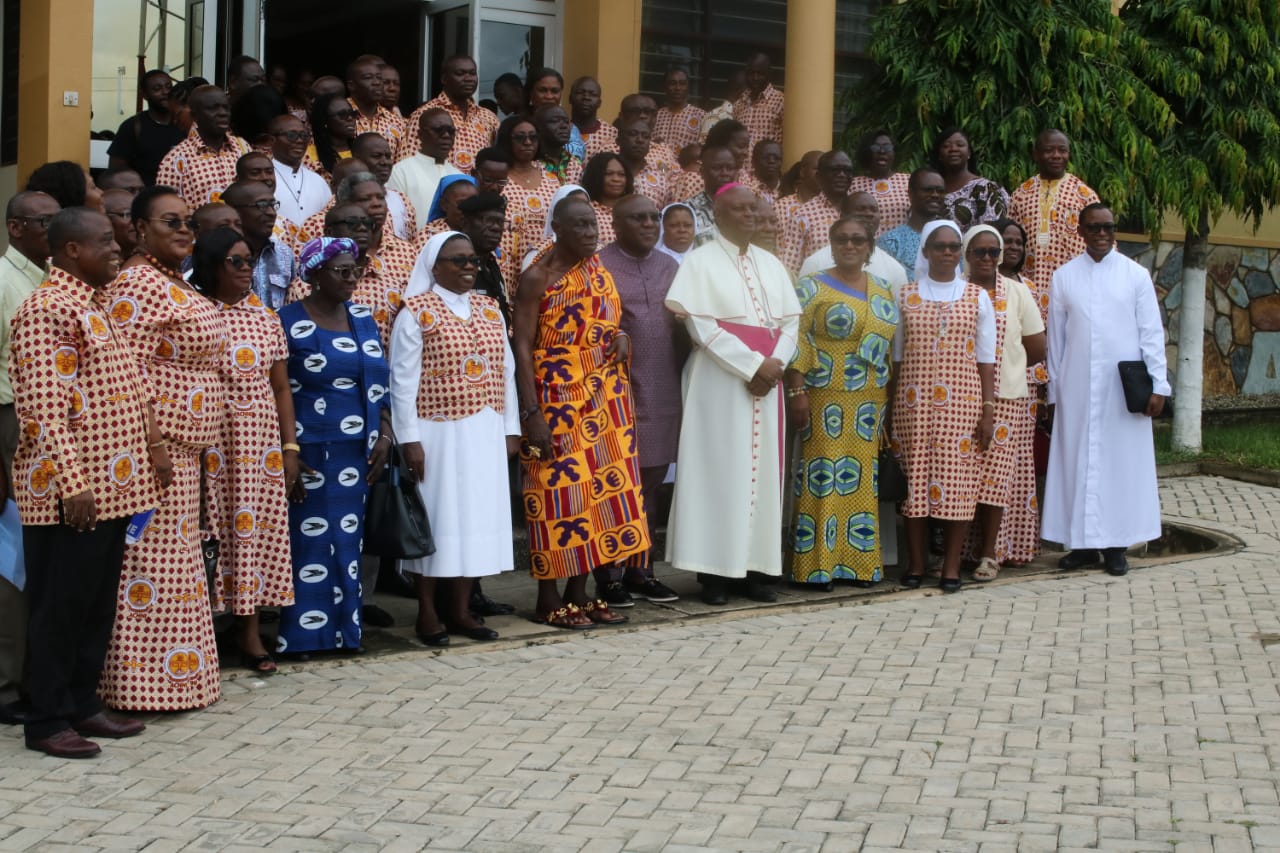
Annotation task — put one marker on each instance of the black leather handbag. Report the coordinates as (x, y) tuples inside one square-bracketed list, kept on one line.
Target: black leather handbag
[(395, 520), (892, 479), (1137, 385)]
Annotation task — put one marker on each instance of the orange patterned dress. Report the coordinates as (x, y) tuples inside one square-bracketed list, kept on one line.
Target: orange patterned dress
[(528, 209), (247, 473), (890, 193), (938, 404), (162, 655), (583, 504)]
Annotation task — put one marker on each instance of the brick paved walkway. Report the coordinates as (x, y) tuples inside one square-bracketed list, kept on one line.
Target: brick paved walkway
[(1064, 713)]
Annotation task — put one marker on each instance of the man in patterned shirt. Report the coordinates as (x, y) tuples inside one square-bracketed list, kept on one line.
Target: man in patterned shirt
[(584, 104), (760, 107), (643, 108), (678, 123), (90, 457), (274, 264), (806, 231), (650, 181), (364, 90), (199, 166), (475, 126)]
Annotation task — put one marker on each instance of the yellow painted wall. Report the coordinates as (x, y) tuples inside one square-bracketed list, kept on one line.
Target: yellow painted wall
[(55, 53), (811, 70), (601, 39)]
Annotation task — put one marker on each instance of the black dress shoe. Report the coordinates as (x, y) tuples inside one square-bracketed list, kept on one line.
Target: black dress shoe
[(375, 617), (479, 633), (440, 639), (912, 581), (714, 591), (482, 605), (760, 591), (1116, 562), (1080, 559), (65, 744), (13, 713), (101, 725), (949, 585)]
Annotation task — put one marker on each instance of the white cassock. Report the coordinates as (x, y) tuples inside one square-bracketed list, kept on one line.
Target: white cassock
[(1101, 489), (465, 488), (726, 516), (417, 177), (881, 264)]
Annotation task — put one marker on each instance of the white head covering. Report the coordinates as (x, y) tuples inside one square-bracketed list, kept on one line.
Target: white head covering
[(662, 232), (922, 266), (561, 194), (980, 229), (421, 280)]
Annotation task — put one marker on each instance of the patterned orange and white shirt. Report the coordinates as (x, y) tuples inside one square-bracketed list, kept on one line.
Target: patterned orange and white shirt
[(80, 408), (761, 116), (603, 138), (200, 173), (655, 184), (383, 282), (527, 210), (890, 193), (678, 129), (1049, 212), (805, 230), (385, 122), (475, 130)]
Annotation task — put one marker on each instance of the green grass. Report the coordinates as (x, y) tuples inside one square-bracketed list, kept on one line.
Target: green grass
[(1250, 445)]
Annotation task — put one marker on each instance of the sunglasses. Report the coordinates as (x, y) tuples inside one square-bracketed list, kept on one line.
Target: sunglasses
[(443, 130), (264, 205), (992, 253), (644, 217), (850, 240), (238, 262), (40, 221), (944, 247), (1100, 227), (355, 222), (346, 273), (173, 223), (294, 135), (838, 170), (461, 261), (881, 148), (524, 137), (347, 113)]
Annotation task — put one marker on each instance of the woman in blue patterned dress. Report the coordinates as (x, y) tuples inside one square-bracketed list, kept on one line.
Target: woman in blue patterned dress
[(340, 380), (837, 388)]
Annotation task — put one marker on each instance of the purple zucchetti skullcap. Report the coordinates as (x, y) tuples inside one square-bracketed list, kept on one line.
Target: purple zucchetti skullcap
[(317, 251)]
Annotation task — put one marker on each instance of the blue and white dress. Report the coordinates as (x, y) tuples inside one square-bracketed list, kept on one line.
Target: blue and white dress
[(340, 382)]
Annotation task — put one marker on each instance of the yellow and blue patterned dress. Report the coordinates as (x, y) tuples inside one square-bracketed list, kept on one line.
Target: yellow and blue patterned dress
[(844, 353)]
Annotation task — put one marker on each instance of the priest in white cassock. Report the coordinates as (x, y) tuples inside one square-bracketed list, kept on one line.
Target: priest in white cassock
[(1100, 493), (743, 315), (418, 176)]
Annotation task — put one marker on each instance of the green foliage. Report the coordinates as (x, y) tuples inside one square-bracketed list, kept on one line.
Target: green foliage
[(1006, 70), (1217, 63)]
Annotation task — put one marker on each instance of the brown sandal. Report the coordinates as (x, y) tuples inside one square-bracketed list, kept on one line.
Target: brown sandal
[(598, 612), (569, 617)]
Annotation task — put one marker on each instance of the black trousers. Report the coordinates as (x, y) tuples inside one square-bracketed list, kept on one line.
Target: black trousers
[(72, 586)]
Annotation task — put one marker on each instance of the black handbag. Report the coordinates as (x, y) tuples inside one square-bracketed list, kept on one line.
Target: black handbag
[(1137, 385), (395, 520), (210, 546), (892, 479)]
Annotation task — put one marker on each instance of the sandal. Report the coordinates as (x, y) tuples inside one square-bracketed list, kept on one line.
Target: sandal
[(598, 612), (570, 617), (258, 664), (988, 570)]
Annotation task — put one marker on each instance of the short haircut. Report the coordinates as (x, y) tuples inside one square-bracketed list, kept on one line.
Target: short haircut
[(106, 178), (348, 184), (19, 202), (145, 200), (562, 205), (689, 153), (914, 181), (238, 192), (1090, 208), (236, 65), (492, 155), (154, 72), (70, 225), (364, 139), (508, 79)]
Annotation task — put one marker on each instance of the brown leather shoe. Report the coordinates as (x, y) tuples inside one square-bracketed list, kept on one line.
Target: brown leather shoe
[(100, 725), (65, 744)]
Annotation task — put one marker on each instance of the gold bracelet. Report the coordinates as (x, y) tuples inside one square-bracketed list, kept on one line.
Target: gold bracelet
[(991, 403), (291, 446), (796, 392), (154, 444)]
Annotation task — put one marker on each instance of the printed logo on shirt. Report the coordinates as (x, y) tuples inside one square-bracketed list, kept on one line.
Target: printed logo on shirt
[(122, 468), (40, 479), (195, 402), (66, 363), (213, 462), (352, 425), (96, 326), (179, 296), (124, 311), (314, 526), (245, 523), (167, 349), (273, 462), (245, 358), (183, 664), (139, 594), (475, 368), (315, 363), (313, 573), (344, 345), (302, 329)]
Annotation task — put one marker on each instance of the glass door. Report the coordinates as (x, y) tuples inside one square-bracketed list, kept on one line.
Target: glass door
[(515, 42)]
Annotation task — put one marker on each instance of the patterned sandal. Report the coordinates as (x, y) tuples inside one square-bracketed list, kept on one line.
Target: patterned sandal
[(569, 617), (988, 570), (598, 612)]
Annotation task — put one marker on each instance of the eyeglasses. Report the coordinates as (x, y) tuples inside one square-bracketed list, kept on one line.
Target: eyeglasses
[(939, 190), (238, 262), (644, 217), (944, 247), (294, 135), (262, 204), (881, 148), (524, 137), (850, 240), (118, 214), (461, 261), (347, 113), (346, 273), (173, 223), (355, 222), (1100, 227), (838, 170), (992, 253), (443, 130), (40, 221)]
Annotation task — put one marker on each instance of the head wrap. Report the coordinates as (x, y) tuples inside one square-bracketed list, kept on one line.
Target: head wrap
[(975, 231), (437, 211), (316, 252), (922, 266), (662, 232), (421, 280), (561, 194)]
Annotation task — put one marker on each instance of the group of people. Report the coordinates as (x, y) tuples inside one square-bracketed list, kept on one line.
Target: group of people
[(215, 348)]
